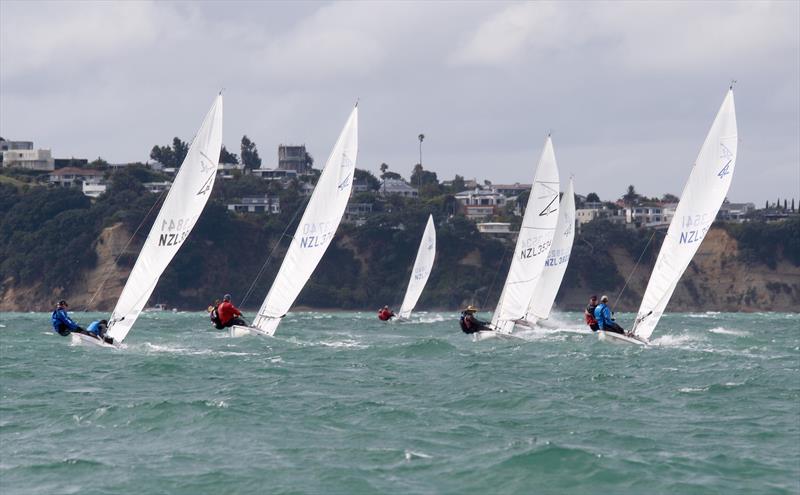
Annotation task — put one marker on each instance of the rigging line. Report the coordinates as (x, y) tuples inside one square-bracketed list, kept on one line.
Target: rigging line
[(633, 270), (277, 243), (124, 248), (491, 287)]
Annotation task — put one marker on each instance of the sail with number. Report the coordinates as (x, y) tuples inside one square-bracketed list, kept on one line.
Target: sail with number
[(178, 215), (315, 231), (701, 199), (544, 294), (421, 271), (533, 244)]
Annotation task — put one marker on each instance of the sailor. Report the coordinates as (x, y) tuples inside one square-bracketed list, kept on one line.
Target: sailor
[(602, 314), (213, 315), (98, 330), (385, 314), (62, 323), (229, 315), (588, 314), (470, 324)]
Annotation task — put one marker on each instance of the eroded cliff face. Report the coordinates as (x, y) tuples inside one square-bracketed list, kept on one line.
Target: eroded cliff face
[(97, 290), (716, 280)]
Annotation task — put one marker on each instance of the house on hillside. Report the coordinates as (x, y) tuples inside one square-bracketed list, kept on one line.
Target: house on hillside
[(397, 187), (74, 177), (257, 204), (479, 204)]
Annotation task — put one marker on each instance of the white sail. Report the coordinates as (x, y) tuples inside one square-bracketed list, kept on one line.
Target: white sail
[(533, 243), (421, 271), (185, 201), (316, 229), (544, 294), (702, 196)]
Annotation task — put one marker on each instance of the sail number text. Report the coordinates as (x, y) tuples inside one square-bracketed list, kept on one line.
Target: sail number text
[(316, 234), (535, 250), (174, 232)]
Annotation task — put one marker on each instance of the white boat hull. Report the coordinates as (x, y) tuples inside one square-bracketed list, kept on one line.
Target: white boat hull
[(81, 338), (618, 338), (243, 331), (491, 334)]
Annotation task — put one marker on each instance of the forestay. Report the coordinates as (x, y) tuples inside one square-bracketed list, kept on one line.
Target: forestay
[(316, 229), (421, 271), (533, 243), (544, 294), (702, 196), (185, 201)]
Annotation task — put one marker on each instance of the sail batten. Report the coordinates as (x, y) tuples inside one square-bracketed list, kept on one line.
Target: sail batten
[(533, 243), (316, 228), (421, 270), (177, 217), (700, 201)]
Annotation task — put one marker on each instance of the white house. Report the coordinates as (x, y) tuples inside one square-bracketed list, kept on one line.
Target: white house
[(398, 187), (29, 159), (480, 203), (257, 204)]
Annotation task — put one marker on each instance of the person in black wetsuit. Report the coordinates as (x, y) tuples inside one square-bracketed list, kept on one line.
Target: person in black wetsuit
[(470, 324)]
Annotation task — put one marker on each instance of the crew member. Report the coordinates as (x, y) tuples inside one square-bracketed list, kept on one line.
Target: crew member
[(602, 314), (98, 330), (588, 314), (213, 315), (62, 323), (385, 314), (470, 324), (229, 315)]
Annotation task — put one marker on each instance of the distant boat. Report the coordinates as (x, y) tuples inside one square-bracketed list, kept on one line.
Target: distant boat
[(421, 271), (532, 247), (178, 215), (702, 197), (544, 294), (314, 233), (156, 308)]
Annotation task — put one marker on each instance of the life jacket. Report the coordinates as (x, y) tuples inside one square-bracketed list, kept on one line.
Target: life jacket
[(213, 315), (384, 315), (465, 325)]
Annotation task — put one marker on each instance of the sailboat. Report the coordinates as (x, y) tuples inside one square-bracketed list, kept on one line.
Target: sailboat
[(178, 215), (702, 197), (421, 271), (544, 294), (532, 247), (314, 233)]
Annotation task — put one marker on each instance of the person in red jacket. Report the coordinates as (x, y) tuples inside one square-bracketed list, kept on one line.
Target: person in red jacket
[(229, 315), (588, 314), (385, 314)]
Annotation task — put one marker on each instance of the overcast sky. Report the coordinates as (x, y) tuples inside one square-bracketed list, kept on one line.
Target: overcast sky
[(628, 89)]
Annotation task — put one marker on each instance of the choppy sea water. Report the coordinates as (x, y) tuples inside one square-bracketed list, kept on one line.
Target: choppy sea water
[(343, 403)]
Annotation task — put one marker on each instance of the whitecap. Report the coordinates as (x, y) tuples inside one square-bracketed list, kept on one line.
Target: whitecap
[(410, 454), (691, 390), (725, 331)]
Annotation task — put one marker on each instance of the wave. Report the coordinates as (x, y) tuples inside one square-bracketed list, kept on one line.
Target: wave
[(725, 331)]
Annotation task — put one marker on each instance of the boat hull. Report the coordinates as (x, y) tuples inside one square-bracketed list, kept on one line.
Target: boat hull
[(81, 338), (618, 338), (491, 334), (242, 331)]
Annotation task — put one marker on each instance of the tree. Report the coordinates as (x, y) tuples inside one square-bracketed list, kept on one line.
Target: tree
[(250, 157), (458, 184), (592, 198), (170, 156), (669, 198), (226, 156), (384, 167), (631, 196), (792, 204), (365, 176), (421, 177)]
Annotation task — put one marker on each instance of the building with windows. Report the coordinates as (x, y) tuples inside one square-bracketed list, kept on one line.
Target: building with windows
[(495, 228), (480, 203), (29, 159), (511, 190), (257, 204), (735, 212), (586, 215), (157, 187), (398, 187), (93, 187), (645, 216), (274, 174), (73, 177), (294, 158)]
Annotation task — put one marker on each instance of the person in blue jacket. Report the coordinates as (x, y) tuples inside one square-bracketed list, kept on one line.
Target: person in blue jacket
[(98, 330), (602, 314), (62, 323)]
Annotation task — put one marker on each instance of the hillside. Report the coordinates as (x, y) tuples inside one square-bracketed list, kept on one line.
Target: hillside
[(57, 244)]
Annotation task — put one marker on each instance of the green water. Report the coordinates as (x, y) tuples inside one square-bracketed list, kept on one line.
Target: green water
[(342, 403)]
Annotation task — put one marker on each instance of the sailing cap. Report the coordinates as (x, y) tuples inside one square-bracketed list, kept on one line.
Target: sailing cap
[(471, 309), (62, 303), (226, 297), (604, 298)]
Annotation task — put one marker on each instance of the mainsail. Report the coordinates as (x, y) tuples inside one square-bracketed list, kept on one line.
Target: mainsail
[(533, 244), (544, 294), (421, 271), (316, 229), (185, 201), (702, 196)]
